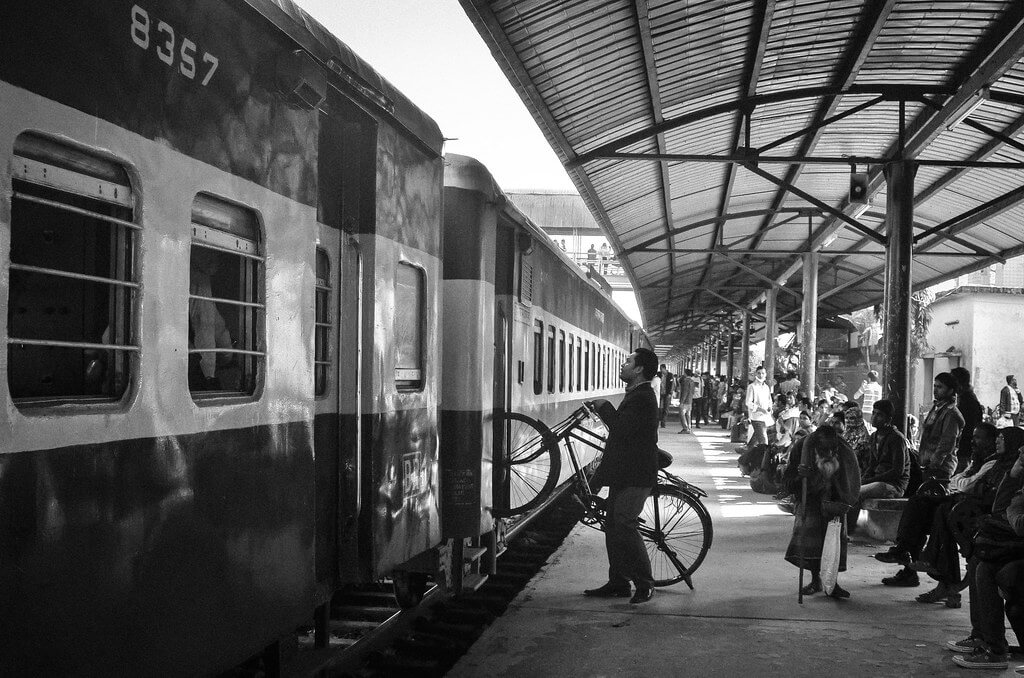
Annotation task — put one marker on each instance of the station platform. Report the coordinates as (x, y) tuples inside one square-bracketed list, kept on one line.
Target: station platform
[(743, 619)]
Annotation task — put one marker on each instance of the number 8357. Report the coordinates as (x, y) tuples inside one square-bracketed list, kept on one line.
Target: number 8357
[(170, 48)]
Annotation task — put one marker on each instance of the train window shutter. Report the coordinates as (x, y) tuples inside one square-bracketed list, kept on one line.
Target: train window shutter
[(526, 283), (410, 325)]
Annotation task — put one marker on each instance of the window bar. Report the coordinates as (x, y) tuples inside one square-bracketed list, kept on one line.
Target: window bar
[(79, 210), (71, 344), (231, 302), (238, 351), (237, 253), (76, 276)]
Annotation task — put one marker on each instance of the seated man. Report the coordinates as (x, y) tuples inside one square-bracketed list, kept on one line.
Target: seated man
[(918, 521), (887, 467), (995, 580)]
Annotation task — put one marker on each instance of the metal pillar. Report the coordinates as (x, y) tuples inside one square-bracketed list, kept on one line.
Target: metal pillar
[(745, 350), (899, 222), (730, 359), (809, 325), (769, 334), (716, 369)]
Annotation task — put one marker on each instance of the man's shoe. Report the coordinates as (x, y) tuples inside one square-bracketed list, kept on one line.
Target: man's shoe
[(981, 658), (903, 578), (642, 595), (839, 593), (894, 555), (967, 645), (939, 594), (812, 588), (609, 590)]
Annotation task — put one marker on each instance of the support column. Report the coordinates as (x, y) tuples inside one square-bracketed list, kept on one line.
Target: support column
[(899, 224), (809, 324), (716, 368), (769, 334), (730, 360), (745, 350)]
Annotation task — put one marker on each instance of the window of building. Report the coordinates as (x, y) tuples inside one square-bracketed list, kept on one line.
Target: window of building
[(410, 326), (73, 281), (538, 357), (225, 304), (322, 326), (561, 361)]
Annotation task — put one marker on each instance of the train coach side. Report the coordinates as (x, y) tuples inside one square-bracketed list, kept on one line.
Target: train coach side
[(219, 284), (524, 331)]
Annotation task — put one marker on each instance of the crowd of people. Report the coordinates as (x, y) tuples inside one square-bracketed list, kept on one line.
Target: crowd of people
[(960, 469)]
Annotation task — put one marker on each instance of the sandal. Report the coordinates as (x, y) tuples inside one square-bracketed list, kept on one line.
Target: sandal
[(811, 589)]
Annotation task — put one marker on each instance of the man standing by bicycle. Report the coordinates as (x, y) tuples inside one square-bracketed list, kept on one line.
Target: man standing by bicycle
[(629, 467)]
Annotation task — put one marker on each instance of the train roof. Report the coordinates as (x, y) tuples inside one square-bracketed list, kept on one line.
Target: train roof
[(462, 171), (341, 62)]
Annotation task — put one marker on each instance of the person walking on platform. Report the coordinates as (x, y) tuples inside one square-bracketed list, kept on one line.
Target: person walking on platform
[(698, 399), (833, 484), (759, 408), (685, 400), (664, 392), (629, 468), (870, 391)]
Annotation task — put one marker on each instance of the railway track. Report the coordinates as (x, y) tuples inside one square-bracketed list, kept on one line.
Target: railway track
[(372, 637)]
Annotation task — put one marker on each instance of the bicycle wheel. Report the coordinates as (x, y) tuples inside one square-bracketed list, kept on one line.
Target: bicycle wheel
[(530, 464), (677, 533)]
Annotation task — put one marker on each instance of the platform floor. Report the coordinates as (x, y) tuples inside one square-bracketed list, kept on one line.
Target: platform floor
[(743, 619)]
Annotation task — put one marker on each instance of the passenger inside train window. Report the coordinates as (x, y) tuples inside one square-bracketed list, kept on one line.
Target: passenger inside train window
[(72, 275), (207, 328), (225, 309)]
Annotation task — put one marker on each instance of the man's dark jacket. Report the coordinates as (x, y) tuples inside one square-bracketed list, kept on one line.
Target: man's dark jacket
[(889, 461), (631, 451)]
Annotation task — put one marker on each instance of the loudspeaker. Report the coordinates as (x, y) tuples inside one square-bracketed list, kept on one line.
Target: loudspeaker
[(858, 188)]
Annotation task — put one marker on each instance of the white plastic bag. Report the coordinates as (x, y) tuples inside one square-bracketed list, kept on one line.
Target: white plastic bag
[(830, 554)]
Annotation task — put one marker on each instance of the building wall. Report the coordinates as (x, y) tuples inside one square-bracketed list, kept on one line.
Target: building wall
[(980, 326)]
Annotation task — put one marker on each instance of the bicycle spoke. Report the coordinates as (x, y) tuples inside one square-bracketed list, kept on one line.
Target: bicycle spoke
[(676, 534)]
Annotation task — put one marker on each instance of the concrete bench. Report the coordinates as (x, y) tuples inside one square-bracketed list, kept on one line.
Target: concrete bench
[(879, 518)]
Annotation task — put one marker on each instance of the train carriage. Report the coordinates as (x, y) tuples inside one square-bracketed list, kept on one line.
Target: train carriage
[(521, 316), (219, 283)]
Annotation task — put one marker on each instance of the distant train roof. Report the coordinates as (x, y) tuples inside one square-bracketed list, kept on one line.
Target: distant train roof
[(337, 58), (462, 171)]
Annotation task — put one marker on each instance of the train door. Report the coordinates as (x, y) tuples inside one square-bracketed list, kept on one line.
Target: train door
[(336, 403)]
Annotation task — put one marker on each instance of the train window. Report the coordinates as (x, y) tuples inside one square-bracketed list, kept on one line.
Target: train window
[(561, 361), (586, 366), (225, 302), (538, 358), (322, 326), (410, 324), (579, 363), (72, 280), (551, 359), (572, 349)]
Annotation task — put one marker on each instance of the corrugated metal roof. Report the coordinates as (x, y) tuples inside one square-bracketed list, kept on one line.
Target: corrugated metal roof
[(652, 106)]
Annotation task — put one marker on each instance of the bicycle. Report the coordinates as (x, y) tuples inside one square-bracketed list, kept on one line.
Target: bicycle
[(674, 524)]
